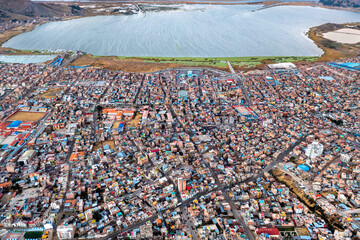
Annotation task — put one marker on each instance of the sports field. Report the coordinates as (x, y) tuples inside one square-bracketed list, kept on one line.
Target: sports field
[(27, 116)]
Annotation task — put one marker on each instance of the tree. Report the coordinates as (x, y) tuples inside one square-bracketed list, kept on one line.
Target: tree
[(99, 110), (16, 187), (97, 216), (84, 195), (16, 179)]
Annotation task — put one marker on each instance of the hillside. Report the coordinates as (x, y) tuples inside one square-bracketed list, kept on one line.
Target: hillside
[(23, 9), (341, 3)]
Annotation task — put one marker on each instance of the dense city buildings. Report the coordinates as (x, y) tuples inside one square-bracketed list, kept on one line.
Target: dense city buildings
[(180, 153)]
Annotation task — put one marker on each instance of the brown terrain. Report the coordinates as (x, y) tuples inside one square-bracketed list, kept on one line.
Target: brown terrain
[(333, 50), (25, 9), (27, 116), (4, 36), (51, 93), (99, 145), (127, 65)]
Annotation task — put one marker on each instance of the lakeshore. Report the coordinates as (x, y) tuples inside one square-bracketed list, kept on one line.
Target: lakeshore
[(145, 64)]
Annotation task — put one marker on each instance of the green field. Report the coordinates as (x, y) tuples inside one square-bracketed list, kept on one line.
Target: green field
[(244, 62), (221, 61), (33, 235)]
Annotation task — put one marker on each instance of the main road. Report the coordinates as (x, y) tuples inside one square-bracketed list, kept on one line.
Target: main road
[(239, 81), (61, 211), (236, 213)]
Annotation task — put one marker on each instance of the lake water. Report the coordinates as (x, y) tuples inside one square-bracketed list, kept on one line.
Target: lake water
[(26, 59), (193, 31)]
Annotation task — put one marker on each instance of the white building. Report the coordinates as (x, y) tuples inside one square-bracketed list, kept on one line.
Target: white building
[(267, 122), (66, 231), (146, 231), (345, 158), (285, 65), (314, 150), (26, 157), (181, 184)]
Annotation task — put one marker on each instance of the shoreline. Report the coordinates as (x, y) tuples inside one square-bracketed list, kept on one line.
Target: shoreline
[(271, 3), (8, 34), (158, 63), (333, 50)]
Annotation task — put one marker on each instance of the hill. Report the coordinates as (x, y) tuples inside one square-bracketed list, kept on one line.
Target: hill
[(24, 9), (341, 3)]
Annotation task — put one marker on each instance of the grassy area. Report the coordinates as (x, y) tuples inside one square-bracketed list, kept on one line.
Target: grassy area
[(33, 235), (150, 64), (221, 61), (286, 229)]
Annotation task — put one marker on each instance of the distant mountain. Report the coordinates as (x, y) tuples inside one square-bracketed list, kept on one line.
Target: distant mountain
[(23, 9), (341, 3)]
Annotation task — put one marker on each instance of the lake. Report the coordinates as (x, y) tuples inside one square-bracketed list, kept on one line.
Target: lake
[(192, 31), (26, 59)]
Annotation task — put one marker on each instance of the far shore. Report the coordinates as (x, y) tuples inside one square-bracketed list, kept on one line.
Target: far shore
[(274, 3)]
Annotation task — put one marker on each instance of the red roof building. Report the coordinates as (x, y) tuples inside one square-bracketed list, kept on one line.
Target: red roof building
[(272, 232)]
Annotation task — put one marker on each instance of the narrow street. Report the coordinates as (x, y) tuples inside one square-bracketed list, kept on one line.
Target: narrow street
[(237, 215), (60, 214)]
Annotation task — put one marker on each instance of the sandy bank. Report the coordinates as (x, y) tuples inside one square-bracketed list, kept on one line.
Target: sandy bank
[(344, 35)]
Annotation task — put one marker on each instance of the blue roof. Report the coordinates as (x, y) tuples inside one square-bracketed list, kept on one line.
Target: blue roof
[(329, 78), (15, 124), (304, 167), (350, 64)]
